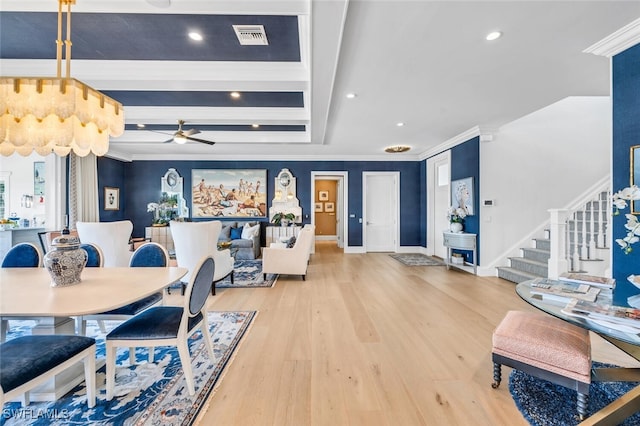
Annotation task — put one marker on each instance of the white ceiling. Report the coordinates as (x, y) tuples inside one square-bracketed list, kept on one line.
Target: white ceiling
[(424, 63)]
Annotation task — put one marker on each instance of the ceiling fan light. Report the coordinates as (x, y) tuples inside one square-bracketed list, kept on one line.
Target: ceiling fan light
[(180, 139)]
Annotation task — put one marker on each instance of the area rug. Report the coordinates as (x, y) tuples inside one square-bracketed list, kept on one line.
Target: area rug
[(145, 394), (248, 273), (544, 404), (416, 259)]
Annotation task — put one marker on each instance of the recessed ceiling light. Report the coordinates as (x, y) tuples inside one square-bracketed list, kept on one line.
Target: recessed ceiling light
[(255, 126), (140, 126), (351, 95), (493, 35), (235, 95), (195, 36), (400, 124), (397, 148)]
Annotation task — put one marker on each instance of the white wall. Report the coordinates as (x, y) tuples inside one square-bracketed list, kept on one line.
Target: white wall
[(21, 182), (541, 161)]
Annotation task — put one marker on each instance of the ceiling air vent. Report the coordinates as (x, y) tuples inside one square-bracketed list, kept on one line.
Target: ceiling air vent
[(251, 35)]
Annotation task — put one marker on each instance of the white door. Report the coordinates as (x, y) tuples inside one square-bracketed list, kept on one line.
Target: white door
[(339, 213), (438, 202), (380, 211)]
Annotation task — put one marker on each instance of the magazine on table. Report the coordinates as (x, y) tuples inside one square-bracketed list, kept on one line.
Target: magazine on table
[(563, 291), (598, 312), (602, 282)]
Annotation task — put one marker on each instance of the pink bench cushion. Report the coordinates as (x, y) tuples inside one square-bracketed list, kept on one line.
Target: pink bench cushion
[(545, 342)]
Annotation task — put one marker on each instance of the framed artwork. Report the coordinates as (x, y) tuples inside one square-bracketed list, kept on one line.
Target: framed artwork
[(323, 195), (111, 198), (318, 207), (329, 207), (229, 193), (38, 179), (635, 176), (462, 195)]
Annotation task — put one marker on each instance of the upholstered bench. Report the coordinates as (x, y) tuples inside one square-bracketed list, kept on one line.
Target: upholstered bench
[(544, 347), (26, 362)]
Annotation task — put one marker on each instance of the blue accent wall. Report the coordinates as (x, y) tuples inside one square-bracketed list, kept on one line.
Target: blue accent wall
[(139, 184), (626, 133), (465, 162)]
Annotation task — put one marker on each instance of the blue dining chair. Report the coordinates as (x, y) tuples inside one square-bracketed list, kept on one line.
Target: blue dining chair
[(147, 255), (28, 361), (22, 255), (95, 258), (167, 325)]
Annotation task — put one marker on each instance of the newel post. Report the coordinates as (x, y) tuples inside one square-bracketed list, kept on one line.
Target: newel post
[(557, 263)]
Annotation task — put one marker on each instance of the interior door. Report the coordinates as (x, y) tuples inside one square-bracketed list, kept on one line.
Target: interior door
[(438, 196), (380, 213)]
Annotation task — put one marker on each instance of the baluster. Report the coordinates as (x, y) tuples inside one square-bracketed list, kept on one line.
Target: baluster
[(592, 230), (567, 244), (576, 254), (601, 221), (584, 251)]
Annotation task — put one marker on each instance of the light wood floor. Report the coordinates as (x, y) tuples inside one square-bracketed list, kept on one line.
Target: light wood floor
[(369, 341)]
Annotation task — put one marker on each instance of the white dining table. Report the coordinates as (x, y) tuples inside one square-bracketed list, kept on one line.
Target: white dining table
[(27, 292)]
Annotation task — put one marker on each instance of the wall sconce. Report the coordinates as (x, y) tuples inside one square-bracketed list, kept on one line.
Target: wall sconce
[(26, 201), (290, 195)]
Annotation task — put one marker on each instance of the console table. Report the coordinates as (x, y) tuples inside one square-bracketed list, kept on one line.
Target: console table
[(274, 233), (460, 241)]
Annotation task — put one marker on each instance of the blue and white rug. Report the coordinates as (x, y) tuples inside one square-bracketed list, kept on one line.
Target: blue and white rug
[(248, 273), (145, 394)]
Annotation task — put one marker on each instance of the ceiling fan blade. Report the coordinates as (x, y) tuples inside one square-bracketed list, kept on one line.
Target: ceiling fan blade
[(200, 140), (191, 132), (168, 140)]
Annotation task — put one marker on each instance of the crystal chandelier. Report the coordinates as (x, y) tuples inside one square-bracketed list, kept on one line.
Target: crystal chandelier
[(56, 114)]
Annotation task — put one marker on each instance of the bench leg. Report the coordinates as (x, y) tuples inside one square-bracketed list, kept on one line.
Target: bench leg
[(583, 402), (497, 375)]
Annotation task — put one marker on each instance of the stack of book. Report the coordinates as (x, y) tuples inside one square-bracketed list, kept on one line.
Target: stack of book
[(600, 282), (617, 317), (563, 291)]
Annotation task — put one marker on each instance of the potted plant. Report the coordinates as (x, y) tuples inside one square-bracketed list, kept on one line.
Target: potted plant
[(283, 219)]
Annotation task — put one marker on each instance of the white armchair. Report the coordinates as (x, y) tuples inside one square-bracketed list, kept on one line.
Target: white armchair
[(112, 238), (193, 240), (290, 261)]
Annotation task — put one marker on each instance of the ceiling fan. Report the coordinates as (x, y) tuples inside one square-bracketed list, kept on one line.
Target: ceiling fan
[(182, 136)]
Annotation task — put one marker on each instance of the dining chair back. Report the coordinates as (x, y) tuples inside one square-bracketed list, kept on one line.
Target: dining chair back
[(112, 237), (149, 255), (22, 255), (167, 325), (28, 361), (95, 258)]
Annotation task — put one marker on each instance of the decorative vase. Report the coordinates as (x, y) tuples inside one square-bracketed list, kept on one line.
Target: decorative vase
[(65, 261), (455, 227)]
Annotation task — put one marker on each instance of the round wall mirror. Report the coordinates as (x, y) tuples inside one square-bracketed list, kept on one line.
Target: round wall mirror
[(285, 179)]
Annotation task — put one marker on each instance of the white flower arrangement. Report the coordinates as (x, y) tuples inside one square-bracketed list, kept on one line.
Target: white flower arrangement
[(456, 214), (620, 201)]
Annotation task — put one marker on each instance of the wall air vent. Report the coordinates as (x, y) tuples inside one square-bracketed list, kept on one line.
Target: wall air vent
[(251, 35)]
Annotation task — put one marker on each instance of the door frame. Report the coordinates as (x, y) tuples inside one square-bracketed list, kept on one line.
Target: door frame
[(431, 183), (342, 229), (396, 218)]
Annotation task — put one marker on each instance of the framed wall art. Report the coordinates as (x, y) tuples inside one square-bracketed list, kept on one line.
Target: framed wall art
[(462, 195), (323, 195), (229, 193), (318, 208), (38, 179), (329, 207), (635, 176), (111, 198)]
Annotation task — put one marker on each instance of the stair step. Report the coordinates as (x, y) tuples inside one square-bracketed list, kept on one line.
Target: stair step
[(542, 243), (529, 266), (536, 254), (514, 275)]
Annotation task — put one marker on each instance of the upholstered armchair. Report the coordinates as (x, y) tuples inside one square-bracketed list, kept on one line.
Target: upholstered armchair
[(111, 237), (290, 261), (193, 240)]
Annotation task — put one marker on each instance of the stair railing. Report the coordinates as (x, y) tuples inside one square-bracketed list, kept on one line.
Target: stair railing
[(576, 232)]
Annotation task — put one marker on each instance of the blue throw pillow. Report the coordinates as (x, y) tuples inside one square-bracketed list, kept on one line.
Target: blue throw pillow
[(236, 233)]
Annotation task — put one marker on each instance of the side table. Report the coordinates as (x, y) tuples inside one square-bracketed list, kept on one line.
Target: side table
[(460, 241)]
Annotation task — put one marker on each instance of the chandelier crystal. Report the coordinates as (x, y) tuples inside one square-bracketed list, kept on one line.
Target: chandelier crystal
[(56, 114)]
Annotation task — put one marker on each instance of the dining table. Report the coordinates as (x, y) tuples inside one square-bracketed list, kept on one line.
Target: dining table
[(27, 293), (624, 338)]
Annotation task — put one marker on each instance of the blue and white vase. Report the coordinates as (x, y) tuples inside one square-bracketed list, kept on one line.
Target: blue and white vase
[(65, 261), (455, 227)]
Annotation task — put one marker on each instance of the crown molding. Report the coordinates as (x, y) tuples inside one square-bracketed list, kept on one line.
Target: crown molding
[(486, 134), (621, 40)]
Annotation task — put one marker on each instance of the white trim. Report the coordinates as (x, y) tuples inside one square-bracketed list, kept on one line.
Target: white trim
[(485, 133), (621, 40)]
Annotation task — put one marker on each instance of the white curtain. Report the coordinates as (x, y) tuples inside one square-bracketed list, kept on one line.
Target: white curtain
[(83, 189)]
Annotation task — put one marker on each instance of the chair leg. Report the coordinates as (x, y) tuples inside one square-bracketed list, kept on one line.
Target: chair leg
[(183, 288), (132, 356), (185, 359), (110, 370), (207, 337), (497, 375), (304, 277), (151, 354), (231, 277), (264, 277), (90, 377), (213, 288)]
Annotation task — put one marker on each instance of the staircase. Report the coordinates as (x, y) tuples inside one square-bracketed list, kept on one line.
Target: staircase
[(531, 264)]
